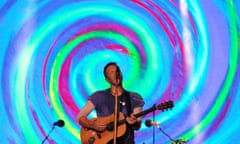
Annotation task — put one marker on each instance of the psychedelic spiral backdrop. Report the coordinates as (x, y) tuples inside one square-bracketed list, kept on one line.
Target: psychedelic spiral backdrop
[(52, 56)]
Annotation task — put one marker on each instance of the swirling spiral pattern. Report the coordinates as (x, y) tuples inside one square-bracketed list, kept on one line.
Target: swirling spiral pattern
[(53, 53)]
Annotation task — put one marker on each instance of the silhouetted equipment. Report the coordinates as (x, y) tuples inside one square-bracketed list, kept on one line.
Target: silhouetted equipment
[(59, 123)]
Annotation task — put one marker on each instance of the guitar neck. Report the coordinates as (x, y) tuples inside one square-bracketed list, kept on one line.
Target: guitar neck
[(161, 106), (153, 108)]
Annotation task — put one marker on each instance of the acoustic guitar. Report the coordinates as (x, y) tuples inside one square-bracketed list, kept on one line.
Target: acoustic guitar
[(91, 136)]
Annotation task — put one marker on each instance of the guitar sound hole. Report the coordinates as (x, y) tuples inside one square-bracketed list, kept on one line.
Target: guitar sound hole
[(91, 140), (110, 126)]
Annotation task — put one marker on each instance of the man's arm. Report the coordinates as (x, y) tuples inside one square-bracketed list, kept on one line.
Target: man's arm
[(133, 121), (85, 122), (82, 115)]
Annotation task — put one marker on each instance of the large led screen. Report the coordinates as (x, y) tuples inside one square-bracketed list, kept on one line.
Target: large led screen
[(53, 52)]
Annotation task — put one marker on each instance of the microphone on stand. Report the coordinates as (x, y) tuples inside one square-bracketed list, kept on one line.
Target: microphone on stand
[(118, 76), (59, 123), (118, 73), (150, 123)]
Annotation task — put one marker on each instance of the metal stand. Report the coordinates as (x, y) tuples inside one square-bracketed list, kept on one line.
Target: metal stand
[(178, 141), (154, 127), (48, 134)]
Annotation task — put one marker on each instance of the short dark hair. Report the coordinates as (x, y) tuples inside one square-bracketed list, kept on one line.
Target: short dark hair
[(107, 65)]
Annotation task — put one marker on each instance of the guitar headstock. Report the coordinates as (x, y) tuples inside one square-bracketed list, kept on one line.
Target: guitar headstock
[(165, 106)]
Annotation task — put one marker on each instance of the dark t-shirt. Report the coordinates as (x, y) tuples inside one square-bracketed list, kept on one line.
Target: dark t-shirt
[(104, 105)]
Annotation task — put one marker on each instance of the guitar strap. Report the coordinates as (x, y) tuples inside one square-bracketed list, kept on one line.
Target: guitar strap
[(129, 111), (124, 98), (128, 102)]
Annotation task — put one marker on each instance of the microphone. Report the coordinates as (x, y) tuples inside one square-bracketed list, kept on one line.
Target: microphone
[(150, 123), (118, 73), (59, 123)]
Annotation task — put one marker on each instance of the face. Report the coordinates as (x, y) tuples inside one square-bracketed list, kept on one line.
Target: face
[(111, 75)]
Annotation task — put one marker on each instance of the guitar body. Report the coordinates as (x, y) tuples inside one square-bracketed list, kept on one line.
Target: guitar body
[(90, 136)]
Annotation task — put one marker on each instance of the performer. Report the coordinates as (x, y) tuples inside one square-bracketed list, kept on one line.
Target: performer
[(129, 103)]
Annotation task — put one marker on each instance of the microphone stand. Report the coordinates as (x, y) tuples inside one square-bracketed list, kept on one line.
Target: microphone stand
[(170, 138), (178, 141), (116, 111), (48, 134), (154, 127), (115, 116)]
